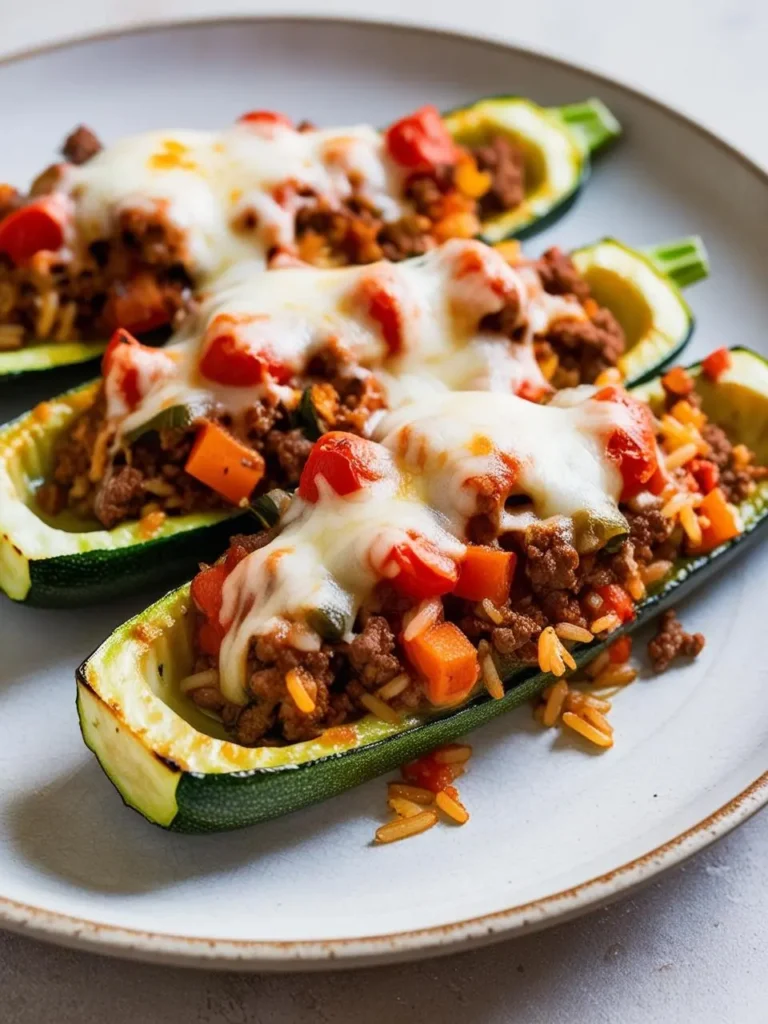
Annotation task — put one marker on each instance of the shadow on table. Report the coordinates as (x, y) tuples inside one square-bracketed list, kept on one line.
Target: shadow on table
[(76, 829)]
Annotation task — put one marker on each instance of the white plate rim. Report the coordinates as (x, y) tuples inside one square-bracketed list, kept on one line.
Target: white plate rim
[(327, 954)]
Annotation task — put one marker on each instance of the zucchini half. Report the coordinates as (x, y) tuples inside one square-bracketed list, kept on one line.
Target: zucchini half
[(557, 143), (64, 562), (71, 563), (48, 355), (642, 290), (176, 766)]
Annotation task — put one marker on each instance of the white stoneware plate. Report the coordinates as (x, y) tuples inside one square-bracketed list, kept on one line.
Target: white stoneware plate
[(555, 829)]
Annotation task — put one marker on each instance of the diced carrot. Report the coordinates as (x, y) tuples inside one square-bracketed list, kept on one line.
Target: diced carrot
[(446, 659), (224, 464), (722, 518), (620, 650), (716, 363), (486, 573), (678, 381), (591, 308)]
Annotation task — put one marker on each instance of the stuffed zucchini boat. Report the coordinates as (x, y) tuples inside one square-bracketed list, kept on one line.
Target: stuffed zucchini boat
[(394, 612), (229, 411), (128, 235)]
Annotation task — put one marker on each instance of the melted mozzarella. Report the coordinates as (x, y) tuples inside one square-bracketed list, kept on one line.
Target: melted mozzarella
[(205, 181), (315, 563), (555, 456), (441, 446), (292, 313)]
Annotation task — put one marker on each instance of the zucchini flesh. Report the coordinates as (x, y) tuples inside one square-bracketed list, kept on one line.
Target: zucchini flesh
[(53, 565), (642, 290), (178, 769), (556, 143)]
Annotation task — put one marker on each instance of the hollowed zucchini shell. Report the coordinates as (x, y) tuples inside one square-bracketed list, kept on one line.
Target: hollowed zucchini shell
[(177, 768)]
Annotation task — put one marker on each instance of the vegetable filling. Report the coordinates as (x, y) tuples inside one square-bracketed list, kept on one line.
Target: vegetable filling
[(125, 236), (229, 410), (412, 571)]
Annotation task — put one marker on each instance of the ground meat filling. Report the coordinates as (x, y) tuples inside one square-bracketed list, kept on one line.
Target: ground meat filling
[(149, 476), (551, 561), (141, 278), (505, 162), (80, 146), (554, 585), (672, 641)]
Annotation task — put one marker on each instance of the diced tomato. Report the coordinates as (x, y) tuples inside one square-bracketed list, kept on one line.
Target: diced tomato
[(421, 141), (137, 305), (266, 118), (532, 391), (424, 570), (716, 363), (633, 445), (230, 361), (33, 228), (382, 304), (209, 637), (207, 593), (428, 774), (658, 481), (345, 461), (123, 358), (705, 473), (620, 650), (616, 599), (235, 554), (207, 590), (118, 363)]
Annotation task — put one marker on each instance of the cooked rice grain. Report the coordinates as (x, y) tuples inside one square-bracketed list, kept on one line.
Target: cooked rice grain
[(402, 828), (587, 730)]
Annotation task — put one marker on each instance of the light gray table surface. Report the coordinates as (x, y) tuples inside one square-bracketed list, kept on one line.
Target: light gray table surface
[(693, 947)]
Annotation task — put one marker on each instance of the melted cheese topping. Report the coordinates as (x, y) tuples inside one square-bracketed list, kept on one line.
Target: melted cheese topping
[(204, 182), (441, 446), (315, 564), (440, 305), (553, 455)]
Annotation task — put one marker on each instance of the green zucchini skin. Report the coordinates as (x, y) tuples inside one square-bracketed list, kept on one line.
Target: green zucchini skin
[(45, 357), (583, 128), (227, 801), (200, 802), (91, 577)]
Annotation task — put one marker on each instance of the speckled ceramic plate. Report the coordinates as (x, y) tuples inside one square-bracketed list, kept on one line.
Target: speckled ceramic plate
[(555, 829)]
